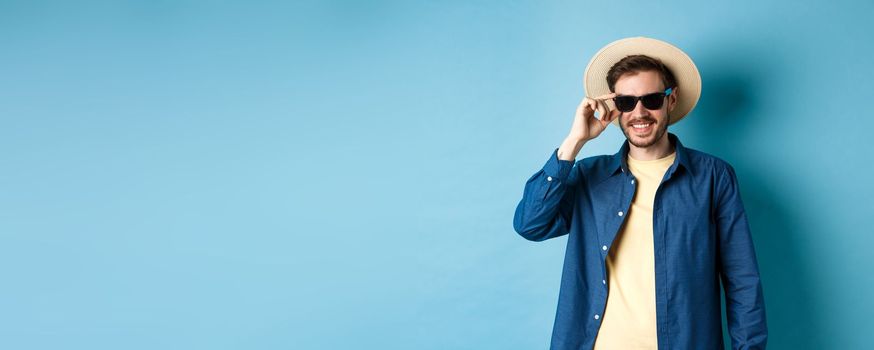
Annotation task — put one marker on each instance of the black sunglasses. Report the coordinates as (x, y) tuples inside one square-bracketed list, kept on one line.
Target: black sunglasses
[(626, 103)]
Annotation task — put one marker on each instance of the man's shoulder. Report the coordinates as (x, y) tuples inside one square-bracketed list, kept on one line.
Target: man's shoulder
[(595, 162), (706, 162), (595, 168)]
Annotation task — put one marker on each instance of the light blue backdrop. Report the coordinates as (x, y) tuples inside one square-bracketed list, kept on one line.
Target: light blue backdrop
[(343, 175)]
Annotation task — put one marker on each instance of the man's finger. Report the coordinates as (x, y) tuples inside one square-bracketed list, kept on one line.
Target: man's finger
[(606, 119), (606, 96), (591, 104), (602, 110)]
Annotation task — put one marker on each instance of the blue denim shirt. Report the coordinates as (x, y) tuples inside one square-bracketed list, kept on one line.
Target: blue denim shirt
[(700, 235)]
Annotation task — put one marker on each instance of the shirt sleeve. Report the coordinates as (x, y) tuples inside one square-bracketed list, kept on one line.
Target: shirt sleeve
[(545, 209), (739, 271)]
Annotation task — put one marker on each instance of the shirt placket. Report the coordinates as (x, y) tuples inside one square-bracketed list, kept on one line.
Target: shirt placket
[(628, 188)]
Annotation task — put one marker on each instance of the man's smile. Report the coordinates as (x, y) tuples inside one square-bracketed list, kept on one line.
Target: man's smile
[(642, 126)]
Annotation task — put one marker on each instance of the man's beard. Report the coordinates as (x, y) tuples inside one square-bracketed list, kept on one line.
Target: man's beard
[(661, 129)]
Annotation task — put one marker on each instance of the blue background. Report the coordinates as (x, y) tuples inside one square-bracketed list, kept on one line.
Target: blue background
[(343, 175)]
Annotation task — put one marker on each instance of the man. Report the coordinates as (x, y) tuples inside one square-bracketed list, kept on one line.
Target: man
[(651, 229)]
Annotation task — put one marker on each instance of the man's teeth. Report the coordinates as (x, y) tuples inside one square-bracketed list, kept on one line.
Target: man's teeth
[(640, 126)]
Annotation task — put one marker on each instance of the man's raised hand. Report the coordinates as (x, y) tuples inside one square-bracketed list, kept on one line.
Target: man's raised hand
[(586, 126)]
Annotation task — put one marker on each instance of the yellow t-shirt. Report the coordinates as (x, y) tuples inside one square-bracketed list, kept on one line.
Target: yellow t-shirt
[(629, 321)]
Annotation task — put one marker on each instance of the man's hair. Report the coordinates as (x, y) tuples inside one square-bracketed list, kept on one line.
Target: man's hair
[(634, 64)]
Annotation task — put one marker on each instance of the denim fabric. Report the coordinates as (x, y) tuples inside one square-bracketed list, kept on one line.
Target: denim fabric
[(701, 236)]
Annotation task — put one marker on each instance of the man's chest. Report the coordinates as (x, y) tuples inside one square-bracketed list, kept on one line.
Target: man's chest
[(680, 210)]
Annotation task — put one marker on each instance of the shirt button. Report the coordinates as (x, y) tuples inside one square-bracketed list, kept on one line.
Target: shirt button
[(632, 181), (549, 178), (604, 281), (597, 317), (620, 213), (604, 248)]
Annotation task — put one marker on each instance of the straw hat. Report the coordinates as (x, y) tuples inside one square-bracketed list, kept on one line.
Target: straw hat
[(688, 78)]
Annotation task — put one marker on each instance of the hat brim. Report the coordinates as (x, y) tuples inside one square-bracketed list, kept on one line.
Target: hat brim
[(685, 71)]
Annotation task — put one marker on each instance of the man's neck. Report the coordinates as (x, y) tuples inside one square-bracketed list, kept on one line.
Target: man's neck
[(662, 148)]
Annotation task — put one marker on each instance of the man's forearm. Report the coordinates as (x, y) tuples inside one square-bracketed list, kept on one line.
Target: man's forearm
[(569, 148)]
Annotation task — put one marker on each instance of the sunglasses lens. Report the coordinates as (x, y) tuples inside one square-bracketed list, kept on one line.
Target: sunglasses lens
[(625, 103), (653, 101)]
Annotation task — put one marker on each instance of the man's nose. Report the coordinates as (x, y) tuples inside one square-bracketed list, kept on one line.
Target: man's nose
[(639, 110)]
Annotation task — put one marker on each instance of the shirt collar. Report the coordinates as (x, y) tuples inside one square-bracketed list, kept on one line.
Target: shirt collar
[(619, 161)]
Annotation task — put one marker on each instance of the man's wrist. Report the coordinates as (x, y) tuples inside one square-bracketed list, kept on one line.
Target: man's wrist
[(569, 148)]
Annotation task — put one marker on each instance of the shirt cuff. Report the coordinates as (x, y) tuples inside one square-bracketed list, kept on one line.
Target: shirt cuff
[(557, 168)]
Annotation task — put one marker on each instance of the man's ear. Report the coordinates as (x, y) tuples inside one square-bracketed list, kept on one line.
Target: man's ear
[(672, 99)]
